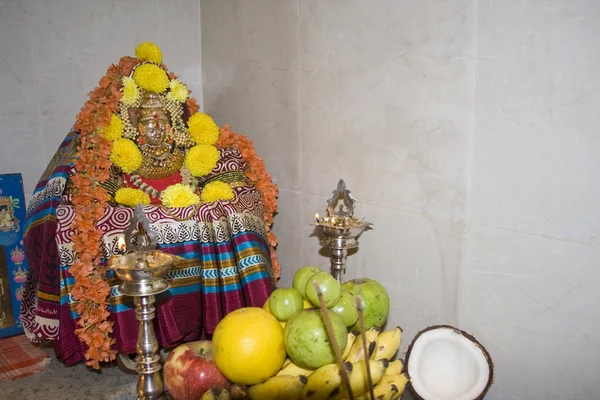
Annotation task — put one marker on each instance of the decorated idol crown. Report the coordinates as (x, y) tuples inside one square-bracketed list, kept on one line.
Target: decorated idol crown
[(140, 94)]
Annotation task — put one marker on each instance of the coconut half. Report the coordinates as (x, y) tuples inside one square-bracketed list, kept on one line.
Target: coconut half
[(445, 363)]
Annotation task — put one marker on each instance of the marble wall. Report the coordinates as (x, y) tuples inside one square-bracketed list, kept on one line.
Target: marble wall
[(465, 129), (325, 93), (54, 52), (530, 284)]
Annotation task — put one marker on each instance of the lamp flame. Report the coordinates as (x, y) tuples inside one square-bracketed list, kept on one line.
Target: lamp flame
[(317, 219), (121, 246)]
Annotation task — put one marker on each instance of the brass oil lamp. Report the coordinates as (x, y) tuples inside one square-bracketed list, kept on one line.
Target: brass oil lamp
[(143, 273), (339, 230)]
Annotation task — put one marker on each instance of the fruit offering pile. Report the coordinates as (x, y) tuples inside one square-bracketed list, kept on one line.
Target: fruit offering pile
[(284, 351)]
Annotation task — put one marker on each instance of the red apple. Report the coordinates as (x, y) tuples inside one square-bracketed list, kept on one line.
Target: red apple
[(190, 371)]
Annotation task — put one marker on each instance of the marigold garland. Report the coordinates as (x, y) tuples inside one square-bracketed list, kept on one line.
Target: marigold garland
[(90, 289), (179, 196), (131, 92), (201, 159), (148, 51), (217, 190), (114, 130), (191, 105), (151, 77), (203, 129), (131, 197), (177, 91), (257, 174), (126, 155)]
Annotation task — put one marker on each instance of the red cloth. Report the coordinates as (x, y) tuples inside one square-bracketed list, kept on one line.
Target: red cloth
[(19, 358), (158, 184)]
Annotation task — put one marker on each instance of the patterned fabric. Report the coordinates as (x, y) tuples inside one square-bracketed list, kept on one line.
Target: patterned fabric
[(39, 311), (226, 266)]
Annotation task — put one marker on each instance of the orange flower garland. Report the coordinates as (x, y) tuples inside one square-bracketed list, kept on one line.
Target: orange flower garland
[(90, 289), (257, 174)]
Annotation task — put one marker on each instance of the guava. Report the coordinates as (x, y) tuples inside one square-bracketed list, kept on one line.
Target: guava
[(306, 339), (375, 302)]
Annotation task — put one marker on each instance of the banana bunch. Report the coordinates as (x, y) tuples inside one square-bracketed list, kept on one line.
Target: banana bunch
[(296, 382), (359, 382), (380, 345), (390, 387), (325, 382), (283, 387)]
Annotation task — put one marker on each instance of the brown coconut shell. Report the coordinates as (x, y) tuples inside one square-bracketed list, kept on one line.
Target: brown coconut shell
[(467, 335)]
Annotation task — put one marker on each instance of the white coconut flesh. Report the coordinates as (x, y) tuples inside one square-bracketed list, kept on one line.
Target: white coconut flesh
[(445, 365)]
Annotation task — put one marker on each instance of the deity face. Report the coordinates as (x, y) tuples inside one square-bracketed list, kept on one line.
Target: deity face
[(155, 132), (154, 126)]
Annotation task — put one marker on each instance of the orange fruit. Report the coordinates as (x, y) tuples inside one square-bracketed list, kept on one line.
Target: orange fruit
[(248, 346)]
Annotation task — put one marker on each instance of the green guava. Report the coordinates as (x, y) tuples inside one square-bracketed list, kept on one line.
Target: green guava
[(375, 302), (306, 340)]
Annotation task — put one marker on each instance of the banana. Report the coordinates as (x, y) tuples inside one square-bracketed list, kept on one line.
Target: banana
[(216, 393), (387, 344), (324, 382), (349, 343), (390, 387), (395, 368), (278, 388), (356, 352), (400, 381), (359, 382), (293, 369)]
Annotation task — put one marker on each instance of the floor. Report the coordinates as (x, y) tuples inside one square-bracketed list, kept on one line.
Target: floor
[(58, 382)]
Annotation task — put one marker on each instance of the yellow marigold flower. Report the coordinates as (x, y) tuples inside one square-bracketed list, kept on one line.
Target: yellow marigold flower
[(178, 92), (114, 130), (151, 77), (203, 129), (148, 51), (179, 196), (201, 159), (131, 197), (131, 92), (126, 155), (217, 190)]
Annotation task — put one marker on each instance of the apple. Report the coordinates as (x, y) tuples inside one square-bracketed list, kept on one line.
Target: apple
[(285, 302), (302, 276), (346, 308), (306, 339), (190, 371), (375, 301), (330, 287)]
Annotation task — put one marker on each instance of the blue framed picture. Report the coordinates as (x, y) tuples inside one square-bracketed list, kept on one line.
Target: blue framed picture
[(13, 264)]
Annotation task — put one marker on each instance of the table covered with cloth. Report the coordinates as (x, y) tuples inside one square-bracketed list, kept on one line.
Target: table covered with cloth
[(226, 264)]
